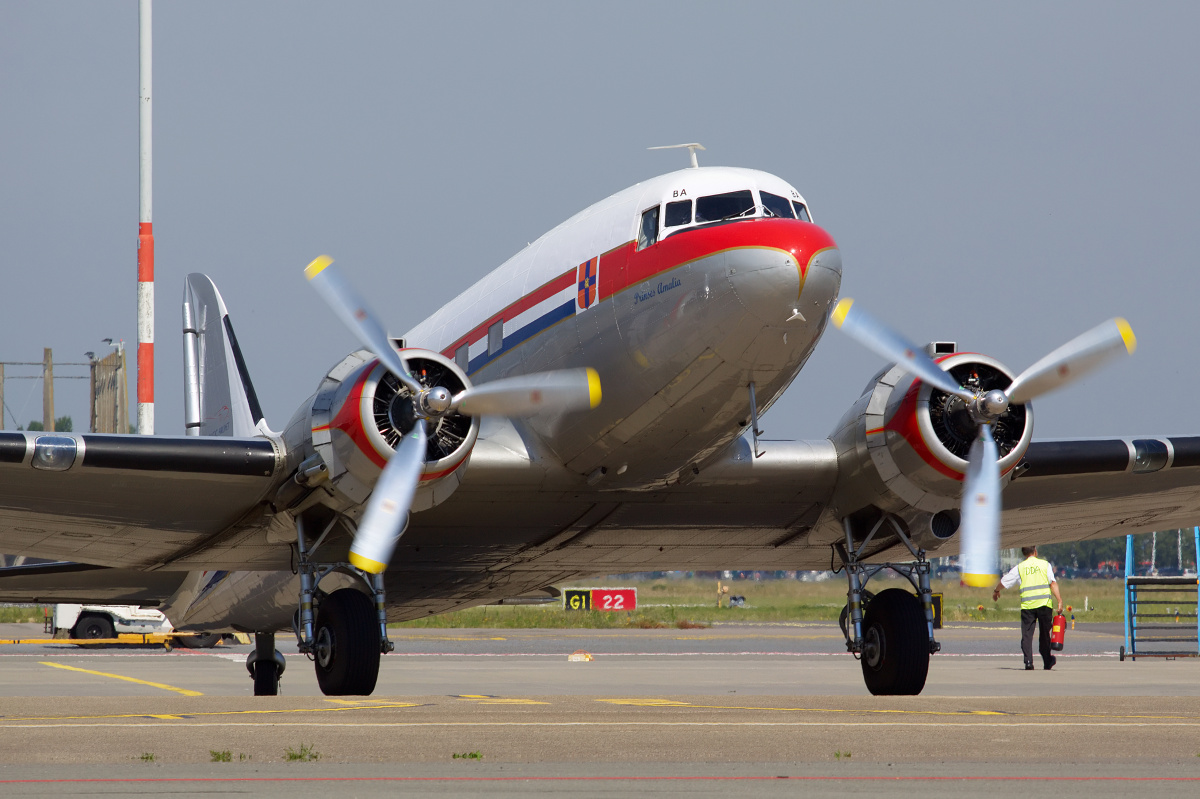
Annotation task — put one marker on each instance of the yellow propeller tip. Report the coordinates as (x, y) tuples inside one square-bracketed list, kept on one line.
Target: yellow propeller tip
[(593, 387), (366, 564), (839, 312), (1126, 335), (317, 266), (980, 580)]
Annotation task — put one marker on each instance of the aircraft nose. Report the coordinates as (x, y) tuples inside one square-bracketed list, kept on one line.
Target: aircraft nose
[(792, 275)]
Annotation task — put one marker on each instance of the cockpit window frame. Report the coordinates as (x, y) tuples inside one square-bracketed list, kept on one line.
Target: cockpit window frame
[(782, 202), (644, 238)]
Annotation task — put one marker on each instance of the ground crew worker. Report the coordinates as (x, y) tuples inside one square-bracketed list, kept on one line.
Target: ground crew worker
[(1037, 584)]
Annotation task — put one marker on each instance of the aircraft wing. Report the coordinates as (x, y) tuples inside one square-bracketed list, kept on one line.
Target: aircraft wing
[(142, 502), (511, 519), (1072, 490)]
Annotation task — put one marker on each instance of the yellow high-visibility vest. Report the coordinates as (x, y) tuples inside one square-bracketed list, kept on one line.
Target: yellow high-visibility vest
[(1035, 583)]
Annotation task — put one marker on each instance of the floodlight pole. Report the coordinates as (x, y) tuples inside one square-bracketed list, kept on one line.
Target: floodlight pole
[(145, 265)]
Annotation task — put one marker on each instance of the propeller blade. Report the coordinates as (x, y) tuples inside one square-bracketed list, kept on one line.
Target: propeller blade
[(563, 390), (389, 503), (882, 340), (341, 296), (981, 512), (1073, 360)]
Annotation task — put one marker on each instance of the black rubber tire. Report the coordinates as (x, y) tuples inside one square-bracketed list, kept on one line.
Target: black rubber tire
[(266, 678), (93, 626), (895, 657), (347, 644), (199, 640)]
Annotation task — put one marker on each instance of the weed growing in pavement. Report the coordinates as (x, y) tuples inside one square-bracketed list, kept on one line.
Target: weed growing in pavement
[(223, 756), (147, 757), (476, 755), (840, 754), (305, 754)]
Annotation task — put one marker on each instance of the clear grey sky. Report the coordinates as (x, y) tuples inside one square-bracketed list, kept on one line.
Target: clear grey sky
[(1004, 175)]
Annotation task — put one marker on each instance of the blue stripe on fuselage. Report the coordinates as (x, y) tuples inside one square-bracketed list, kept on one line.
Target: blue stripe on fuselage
[(519, 337)]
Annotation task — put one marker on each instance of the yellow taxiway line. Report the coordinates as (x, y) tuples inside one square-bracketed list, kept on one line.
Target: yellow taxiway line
[(163, 686)]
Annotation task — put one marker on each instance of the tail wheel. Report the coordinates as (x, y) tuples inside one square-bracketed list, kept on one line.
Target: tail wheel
[(895, 654), (347, 645)]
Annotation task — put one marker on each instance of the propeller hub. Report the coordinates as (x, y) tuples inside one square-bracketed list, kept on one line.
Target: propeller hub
[(993, 404), (436, 400)]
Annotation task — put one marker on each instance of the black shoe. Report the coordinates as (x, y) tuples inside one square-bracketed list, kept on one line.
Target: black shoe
[(1049, 665), (1028, 667)]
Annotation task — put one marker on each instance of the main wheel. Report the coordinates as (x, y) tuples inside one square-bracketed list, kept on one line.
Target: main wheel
[(91, 626), (347, 645), (895, 655)]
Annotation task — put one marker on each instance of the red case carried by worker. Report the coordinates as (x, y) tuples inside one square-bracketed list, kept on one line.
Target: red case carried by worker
[(1058, 632)]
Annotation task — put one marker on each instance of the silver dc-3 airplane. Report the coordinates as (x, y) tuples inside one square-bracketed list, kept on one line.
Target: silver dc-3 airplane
[(474, 460)]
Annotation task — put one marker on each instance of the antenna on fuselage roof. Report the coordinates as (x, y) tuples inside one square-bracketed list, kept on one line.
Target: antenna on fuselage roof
[(692, 148)]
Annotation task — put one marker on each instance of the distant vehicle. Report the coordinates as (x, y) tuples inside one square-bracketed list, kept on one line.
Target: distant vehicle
[(108, 621)]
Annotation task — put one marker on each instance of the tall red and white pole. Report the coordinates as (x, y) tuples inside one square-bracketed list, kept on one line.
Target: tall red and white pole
[(145, 265)]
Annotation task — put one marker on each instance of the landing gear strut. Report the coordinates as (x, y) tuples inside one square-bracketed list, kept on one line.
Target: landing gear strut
[(349, 631), (891, 633)]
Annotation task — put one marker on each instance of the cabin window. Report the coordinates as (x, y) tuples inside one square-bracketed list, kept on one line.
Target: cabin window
[(462, 357), (678, 213), (776, 205), (648, 232), (801, 211), (496, 337), (729, 205)]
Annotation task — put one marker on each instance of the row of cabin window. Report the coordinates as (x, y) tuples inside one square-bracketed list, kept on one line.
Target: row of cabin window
[(715, 208)]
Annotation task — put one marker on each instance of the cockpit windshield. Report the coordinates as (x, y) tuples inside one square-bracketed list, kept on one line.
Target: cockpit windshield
[(774, 205), (730, 205)]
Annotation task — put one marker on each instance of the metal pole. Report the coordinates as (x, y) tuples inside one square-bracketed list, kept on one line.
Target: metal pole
[(1128, 574), (145, 290), (48, 390)]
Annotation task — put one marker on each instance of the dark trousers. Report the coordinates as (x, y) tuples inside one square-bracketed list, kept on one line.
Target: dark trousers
[(1042, 617)]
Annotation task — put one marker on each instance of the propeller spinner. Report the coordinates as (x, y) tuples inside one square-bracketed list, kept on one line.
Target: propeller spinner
[(523, 395), (981, 483)]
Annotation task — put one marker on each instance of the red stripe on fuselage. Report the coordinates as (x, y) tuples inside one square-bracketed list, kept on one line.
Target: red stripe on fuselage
[(547, 290), (624, 266)]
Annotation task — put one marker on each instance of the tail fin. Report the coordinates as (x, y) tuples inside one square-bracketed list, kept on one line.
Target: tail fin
[(219, 399)]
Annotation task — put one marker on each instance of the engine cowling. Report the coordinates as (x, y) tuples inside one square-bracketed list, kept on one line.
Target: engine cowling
[(361, 411), (902, 448)]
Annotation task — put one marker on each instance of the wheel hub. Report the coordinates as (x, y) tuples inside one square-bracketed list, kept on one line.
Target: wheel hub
[(874, 645), (323, 650)]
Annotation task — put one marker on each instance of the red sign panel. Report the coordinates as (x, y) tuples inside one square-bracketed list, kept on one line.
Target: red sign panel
[(614, 598)]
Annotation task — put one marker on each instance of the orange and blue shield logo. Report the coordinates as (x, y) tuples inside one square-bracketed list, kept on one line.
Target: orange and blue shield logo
[(586, 276)]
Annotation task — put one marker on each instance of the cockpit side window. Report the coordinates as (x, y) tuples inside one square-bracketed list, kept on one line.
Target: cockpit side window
[(648, 232), (678, 213), (729, 205), (776, 205), (801, 211)]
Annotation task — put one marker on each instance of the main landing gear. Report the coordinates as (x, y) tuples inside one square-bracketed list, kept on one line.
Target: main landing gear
[(891, 633), (349, 633), (344, 638)]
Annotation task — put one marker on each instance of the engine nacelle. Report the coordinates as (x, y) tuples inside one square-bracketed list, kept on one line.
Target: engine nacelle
[(903, 447), (361, 411)]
